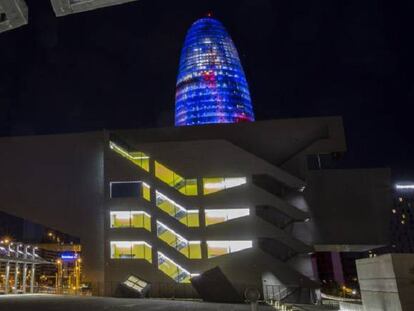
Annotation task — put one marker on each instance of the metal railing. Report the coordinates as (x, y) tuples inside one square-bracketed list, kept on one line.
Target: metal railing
[(278, 292)]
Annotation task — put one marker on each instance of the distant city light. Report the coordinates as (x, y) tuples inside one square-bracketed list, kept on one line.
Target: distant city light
[(405, 186)]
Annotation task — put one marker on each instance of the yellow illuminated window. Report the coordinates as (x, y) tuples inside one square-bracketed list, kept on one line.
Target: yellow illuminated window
[(165, 174), (216, 216), (146, 191), (134, 219), (173, 270), (120, 219), (219, 248), (138, 158), (185, 186), (190, 249), (141, 220), (131, 250), (190, 218), (212, 185)]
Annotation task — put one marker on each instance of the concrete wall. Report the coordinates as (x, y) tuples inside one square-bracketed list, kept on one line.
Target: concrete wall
[(387, 282), (274, 141), (57, 181), (355, 205), (349, 306)]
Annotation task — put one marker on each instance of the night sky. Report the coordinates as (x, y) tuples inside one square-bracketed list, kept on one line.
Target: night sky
[(116, 68)]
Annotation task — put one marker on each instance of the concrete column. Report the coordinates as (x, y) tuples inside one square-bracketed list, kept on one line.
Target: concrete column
[(204, 250), (151, 167), (24, 279), (7, 280), (16, 277), (202, 218), (154, 248), (154, 219), (337, 268), (16, 269), (32, 274), (32, 278)]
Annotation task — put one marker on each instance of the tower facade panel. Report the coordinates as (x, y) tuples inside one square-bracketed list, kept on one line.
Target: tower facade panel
[(211, 84)]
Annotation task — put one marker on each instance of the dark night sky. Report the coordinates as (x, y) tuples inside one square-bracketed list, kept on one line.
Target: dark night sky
[(116, 68)]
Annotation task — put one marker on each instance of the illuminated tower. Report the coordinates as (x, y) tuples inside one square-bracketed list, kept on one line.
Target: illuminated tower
[(211, 85)]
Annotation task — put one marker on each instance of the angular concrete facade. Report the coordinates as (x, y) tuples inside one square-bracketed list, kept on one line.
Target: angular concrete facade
[(387, 282), (66, 7), (273, 211), (13, 14)]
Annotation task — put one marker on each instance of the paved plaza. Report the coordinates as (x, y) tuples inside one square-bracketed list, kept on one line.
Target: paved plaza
[(76, 303)]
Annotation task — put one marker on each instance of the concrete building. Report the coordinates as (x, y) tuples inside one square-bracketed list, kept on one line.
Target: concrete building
[(168, 204), (13, 14), (66, 7), (387, 282), (402, 221)]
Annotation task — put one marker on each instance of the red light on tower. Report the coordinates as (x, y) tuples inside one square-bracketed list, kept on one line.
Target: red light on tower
[(209, 14)]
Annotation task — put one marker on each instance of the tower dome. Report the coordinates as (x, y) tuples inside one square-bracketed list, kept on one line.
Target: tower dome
[(211, 85)]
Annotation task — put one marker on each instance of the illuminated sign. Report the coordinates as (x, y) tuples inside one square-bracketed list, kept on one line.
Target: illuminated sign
[(68, 256)]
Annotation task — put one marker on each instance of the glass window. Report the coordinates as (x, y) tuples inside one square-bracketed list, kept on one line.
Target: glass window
[(138, 158), (190, 249), (216, 216), (219, 248), (131, 219), (185, 186), (120, 219), (173, 270), (190, 218), (212, 185), (125, 189), (141, 220), (164, 174), (146, 191), (131, 250), (135, 283), (130, 189)]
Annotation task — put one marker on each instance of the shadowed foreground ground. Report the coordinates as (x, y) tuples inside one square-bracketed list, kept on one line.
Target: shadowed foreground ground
[(72, 303)]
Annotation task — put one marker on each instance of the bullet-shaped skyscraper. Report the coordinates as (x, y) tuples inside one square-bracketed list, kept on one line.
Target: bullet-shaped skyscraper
[(211, 84)]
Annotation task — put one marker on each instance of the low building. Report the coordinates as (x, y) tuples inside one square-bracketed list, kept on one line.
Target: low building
[(168, 204)]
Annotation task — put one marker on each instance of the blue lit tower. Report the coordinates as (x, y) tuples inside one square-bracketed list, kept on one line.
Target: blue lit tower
[(211, 85)]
